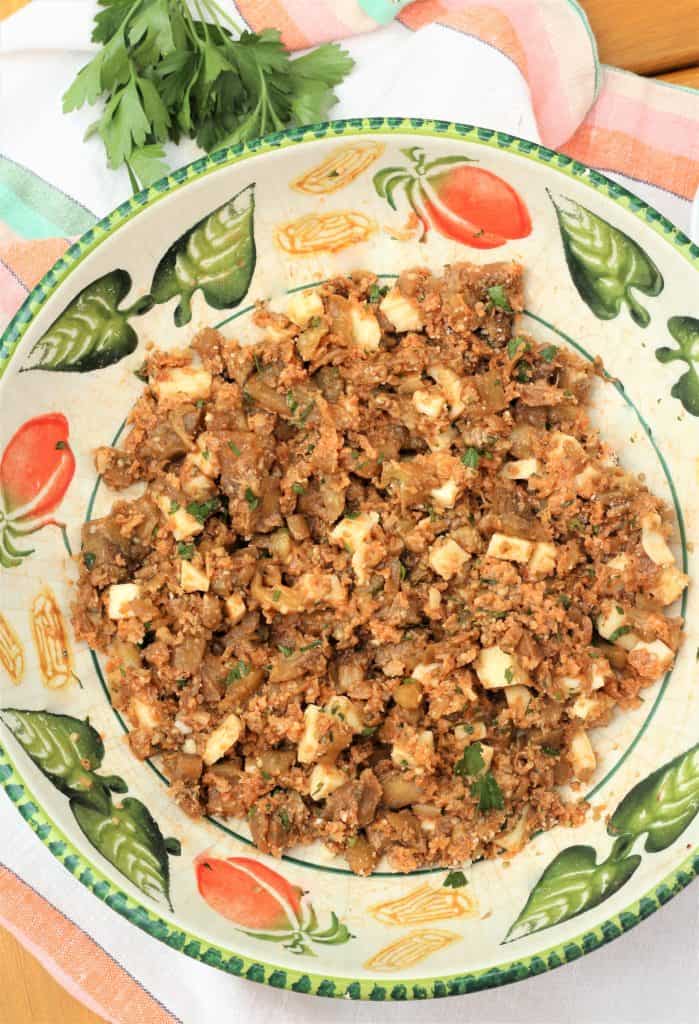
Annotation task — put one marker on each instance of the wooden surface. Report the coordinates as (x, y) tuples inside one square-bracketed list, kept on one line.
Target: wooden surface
[(29, 995), (646, 36)]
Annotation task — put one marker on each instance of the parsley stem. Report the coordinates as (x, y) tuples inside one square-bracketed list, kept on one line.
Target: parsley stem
[(213, 9), (133, 180), (202, 19)]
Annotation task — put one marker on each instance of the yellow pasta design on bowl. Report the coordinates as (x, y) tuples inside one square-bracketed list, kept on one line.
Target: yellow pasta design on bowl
[(339, 169), (324, 232), (410, 949), (11, 651), (51, 640), (423, 905)]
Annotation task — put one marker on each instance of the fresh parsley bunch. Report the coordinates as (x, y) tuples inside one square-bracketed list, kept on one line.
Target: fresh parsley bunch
[(165, 72)]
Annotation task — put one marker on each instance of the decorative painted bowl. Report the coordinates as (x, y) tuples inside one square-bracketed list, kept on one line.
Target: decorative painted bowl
[(606, 275)]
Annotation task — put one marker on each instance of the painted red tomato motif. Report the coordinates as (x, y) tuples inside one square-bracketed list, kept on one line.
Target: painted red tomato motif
[(475, 207), (249, 893), (36, 469), (461, 201)]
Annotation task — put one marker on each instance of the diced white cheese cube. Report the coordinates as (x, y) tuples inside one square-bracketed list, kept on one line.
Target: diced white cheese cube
[(670, 585), (520, 469), (466, 734), (583, 706), (582, 756), (601, 674), (651, 660), (425, 672), (309, 744), (178, 382), (365, 328), (403, 314), (353, 534), (514, 840), (344, 709), (447, 558), (653, 542), (324, 780), (518, 698), (235, 608), (428, 403), (196, 485), (192, 579), (487, 755), (222, 738), (543, 559), (611, 622), (586, 481), (442, 440), (120, 596), (415, 755), (571, 684), (303, 306), (510, 549), (450, 383), (619, 564), (145, 714), (496, 668), (564, 445), (205, 458), (181, 524), (445, 495)]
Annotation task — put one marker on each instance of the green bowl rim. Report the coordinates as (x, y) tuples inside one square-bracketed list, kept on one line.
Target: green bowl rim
[(60, 846)]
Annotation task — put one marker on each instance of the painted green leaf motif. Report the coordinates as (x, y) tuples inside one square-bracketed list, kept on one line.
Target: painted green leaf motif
[(685, 331), (128, 837), (92, 332), (65, 749), (571, 884), (662, 805), (216, 255), (605, 264)]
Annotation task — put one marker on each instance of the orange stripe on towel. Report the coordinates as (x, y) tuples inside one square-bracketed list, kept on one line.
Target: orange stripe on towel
[(261, 14), (615, 150), (77, 963)]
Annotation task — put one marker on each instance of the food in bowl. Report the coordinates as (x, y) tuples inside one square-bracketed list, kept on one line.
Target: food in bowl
[(384, 576)]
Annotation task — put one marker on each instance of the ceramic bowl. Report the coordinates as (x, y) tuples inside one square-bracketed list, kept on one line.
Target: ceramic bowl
[(606, 275)]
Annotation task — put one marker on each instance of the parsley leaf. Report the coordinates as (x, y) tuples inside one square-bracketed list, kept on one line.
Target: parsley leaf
[(471, 761), (311, 646), (251, 498), (185, 551), (512, 346), (471, 458), (498, 298), (168, 68), (484, 786), (455, 880), (376, 292), (489, 794), (239, 671), (549, 353), (201, 510)]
